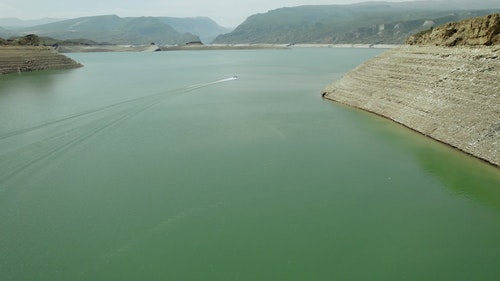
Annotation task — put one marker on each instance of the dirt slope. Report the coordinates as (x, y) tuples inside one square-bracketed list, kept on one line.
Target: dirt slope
[(451, 94)]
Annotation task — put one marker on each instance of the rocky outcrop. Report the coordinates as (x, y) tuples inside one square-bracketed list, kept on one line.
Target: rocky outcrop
[(477, 31), (448, 94), (30, 58)]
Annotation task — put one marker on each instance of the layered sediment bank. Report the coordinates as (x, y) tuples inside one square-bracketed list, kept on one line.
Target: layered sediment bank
[(30, 58), (449, 94)]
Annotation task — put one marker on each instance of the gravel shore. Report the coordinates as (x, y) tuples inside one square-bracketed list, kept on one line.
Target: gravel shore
[(449, 94)]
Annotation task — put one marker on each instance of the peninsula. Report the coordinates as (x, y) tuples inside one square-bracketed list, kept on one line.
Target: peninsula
[(445, 84), (26, 54)]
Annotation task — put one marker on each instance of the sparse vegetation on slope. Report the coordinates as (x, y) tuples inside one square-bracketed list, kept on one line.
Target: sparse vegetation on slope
[(472, 32), (368, 23), (28, 54)]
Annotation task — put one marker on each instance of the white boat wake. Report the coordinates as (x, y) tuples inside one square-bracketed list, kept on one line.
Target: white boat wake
[(213, 82), (227, 79), (29, 147)]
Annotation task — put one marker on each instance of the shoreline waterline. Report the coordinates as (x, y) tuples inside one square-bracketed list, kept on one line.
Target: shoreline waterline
[(208, 47), (447, 94)]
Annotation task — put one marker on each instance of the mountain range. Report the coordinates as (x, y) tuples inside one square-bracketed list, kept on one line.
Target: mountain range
[(15, 22), (204, 27), (112, 29), (365, 23)]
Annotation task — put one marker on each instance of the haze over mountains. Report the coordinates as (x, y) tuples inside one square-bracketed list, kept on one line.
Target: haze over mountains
[(204, 27), (112, 29), (369, 23)]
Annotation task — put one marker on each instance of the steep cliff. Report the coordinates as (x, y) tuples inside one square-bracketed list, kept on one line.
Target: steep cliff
[(470, 32), (449, 94)]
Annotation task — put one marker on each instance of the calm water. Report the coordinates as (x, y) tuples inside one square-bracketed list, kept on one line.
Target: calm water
[(151, 166)]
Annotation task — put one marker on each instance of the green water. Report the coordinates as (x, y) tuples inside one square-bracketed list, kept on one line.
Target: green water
[(146, 166)]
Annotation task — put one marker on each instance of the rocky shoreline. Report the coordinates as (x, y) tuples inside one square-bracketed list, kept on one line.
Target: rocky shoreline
[(17, 59), (449, 94)]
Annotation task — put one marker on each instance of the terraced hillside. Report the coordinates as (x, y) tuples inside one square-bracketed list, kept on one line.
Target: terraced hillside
[(450, 94), (30, 58)]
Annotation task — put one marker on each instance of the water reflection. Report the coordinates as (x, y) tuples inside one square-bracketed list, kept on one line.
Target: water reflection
[(37, 81), (32, 96), (462, 174)]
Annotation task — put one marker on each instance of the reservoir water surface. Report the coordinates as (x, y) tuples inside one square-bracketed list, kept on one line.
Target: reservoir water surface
[(164, 166)]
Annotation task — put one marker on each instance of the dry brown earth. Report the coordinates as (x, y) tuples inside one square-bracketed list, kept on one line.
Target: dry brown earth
[(30, 58), (479, 31)]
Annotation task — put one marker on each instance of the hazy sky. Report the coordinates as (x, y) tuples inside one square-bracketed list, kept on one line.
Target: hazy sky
[(228, 13)]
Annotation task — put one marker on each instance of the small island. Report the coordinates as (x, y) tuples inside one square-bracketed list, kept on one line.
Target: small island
[(29, 54), (444, 84)]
